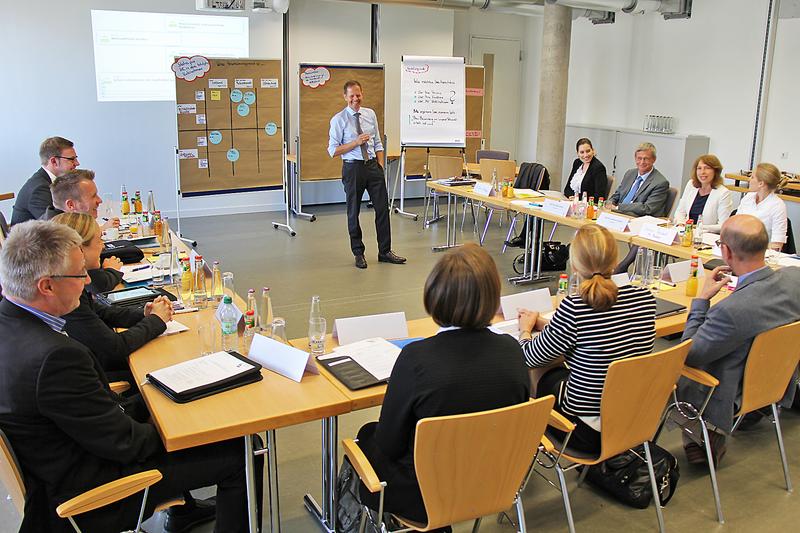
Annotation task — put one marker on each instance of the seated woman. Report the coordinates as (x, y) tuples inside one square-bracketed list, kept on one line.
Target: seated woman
[(705, 196), (591, 330), (762, 202), (588, 174), (466, 367), (91, 323)]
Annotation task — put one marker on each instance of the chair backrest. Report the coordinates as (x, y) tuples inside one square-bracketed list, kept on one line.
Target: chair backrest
[(634, 396), (609, 186), (472, 465), (445, 166), (669, 206), (3, 229), (491, 154), (789, 246), (505, 169), (772, 359), (11, 474)]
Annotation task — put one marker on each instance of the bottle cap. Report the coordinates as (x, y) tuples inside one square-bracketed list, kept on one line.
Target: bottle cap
[(694, 257), (227, 300), (690, 221), (249, 313), (562, 276), (215, 263), (198, 257), (251, 290)]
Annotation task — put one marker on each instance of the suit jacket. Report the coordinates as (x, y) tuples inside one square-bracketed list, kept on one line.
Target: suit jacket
[(650, 199), (51, 212), (104, 279), (69, 431), (33, 199), (91, 323), (716, 211), (722, 335), (595, 181)]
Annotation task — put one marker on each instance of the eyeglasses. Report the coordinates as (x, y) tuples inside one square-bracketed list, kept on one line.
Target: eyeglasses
[(73, 159), (719, 242), (74, 276)]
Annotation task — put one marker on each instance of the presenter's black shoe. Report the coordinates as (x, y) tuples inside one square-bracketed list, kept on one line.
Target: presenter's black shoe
[(516, 242), (183, 518), (361, 262), (391, 257)]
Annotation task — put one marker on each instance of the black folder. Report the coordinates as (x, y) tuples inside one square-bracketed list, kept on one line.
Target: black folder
[(350, 373), (666, 308), (251, 373)]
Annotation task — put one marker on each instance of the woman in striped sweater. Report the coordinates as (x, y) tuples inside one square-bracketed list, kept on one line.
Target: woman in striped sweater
[(600, 325)]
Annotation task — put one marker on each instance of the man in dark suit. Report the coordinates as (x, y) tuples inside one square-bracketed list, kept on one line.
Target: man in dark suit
[(643, 190), (69, 431), (722, 335), (58, 157)]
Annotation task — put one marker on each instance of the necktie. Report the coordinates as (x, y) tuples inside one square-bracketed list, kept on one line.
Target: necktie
[(364, 153), (636, 184)]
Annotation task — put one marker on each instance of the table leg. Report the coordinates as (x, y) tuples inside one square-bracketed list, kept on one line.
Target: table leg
[(450, 232), (326, 514), (249, 470), (534, 243), (272, 485)]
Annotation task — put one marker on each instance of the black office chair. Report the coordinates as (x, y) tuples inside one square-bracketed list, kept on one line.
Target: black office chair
[(788, 246)]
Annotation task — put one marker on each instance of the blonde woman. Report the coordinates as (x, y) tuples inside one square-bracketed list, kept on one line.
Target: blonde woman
[(590, 330), (762, 202), (705, 196)]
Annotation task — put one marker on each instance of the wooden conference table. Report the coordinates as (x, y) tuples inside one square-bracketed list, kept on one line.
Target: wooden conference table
[(737, 178)]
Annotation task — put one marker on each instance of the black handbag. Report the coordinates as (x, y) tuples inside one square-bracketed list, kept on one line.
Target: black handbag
[(626, 478), (124, 250), (349, 507), (554, 257)]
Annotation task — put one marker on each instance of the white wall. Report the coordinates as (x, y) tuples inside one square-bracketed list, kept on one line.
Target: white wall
[(49, 56)]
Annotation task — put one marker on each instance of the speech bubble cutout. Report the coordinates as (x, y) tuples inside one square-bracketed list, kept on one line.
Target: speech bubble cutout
[(243, 110), (249, 98), (233, 155), (271, 128), (190, 68), (315, 77), (215, 137), (236, 96)]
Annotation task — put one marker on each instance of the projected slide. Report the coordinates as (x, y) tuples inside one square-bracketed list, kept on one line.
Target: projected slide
[(133, 52)]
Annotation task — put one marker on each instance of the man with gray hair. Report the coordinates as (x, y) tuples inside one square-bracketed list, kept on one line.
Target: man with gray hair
[(58, 157), (722, 335), (643, 190), (70, 432)]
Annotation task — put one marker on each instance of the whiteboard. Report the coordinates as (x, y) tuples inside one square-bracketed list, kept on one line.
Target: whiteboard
[(432, 102)]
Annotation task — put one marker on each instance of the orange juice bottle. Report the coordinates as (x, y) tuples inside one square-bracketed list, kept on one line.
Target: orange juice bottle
[(691, 283), (126, 205)]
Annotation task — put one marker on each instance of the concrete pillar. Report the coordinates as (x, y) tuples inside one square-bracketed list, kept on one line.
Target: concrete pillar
[(554, 71)]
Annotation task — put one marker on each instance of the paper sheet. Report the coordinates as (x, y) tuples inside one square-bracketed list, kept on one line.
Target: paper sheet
[(202, 371), (376, 355), (173, 327), (535, 300)]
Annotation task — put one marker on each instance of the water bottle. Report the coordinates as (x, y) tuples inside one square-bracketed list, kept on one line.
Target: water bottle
[(249, 329), (494, 180), (313, 322), (266, 311), (216, 284), (251, 305), (227, 318), (563, 285), (151, 202), (199, 284)]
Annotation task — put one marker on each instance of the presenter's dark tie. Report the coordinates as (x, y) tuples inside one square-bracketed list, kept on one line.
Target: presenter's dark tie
[(364, 153)]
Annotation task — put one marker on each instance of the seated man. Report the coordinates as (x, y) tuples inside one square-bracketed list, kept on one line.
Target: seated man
[(722, 335), (58, 157), (69, 431), (643, 190), (76, 192)]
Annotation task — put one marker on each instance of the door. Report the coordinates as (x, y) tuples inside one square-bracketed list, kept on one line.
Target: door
[(504, 56)]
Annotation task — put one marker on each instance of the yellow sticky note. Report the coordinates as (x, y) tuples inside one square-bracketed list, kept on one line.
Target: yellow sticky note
[(215, 95)]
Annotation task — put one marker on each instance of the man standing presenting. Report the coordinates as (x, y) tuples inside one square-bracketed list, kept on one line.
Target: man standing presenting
[(58, 157), (354, 136)]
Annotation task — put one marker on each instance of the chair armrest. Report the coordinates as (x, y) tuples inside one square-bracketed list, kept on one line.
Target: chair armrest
[(111, 492), (119, 386), (560, 423), (700, 376), (548, 445), (362, 466)]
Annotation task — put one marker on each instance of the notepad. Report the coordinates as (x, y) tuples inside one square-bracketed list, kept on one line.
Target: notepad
[(174, 327)]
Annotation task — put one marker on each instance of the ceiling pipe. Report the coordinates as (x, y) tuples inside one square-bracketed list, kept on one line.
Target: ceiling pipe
[(669, 9), (511, 7)]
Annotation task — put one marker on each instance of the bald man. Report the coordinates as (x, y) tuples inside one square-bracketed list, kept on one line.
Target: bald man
[(722, 335)]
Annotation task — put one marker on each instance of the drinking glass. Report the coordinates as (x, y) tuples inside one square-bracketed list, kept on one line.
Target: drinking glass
[(639, 267), (227, 285), (161, 268), (574, 284), (207, 338), (655, 285), (279, 330), (317, 328)]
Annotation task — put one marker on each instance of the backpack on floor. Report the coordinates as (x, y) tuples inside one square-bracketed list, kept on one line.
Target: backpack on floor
[(626, 478)]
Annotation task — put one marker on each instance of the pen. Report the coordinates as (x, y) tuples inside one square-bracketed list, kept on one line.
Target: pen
[(665, 282), (140, 268)]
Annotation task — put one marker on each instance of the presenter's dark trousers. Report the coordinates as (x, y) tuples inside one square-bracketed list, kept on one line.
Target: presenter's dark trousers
[(358, 176)]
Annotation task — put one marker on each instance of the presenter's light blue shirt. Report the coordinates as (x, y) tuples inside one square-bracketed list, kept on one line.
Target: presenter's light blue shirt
[(343, 131)]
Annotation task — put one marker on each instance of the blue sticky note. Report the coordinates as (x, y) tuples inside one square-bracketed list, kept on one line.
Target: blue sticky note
[(271, 128), (243, 110), (233, 155), (215, 137), (236, 96), (249, 98)]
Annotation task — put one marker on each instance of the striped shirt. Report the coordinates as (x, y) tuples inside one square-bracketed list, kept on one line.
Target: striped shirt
[(56, 323), (591, 340)]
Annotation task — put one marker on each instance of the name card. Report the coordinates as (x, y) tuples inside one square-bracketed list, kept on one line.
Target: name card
[(678, 272), (269, 83), (655, 233), (187, 153), (358, 328), (187, 109), (536, 300), (556, 207), (243, 83), (218, 83), (612, 222), (620, 280), (483, 188), (281, 358)]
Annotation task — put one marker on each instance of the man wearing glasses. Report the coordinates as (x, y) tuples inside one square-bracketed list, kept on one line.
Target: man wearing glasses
[(69, 431), (58, 157)]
